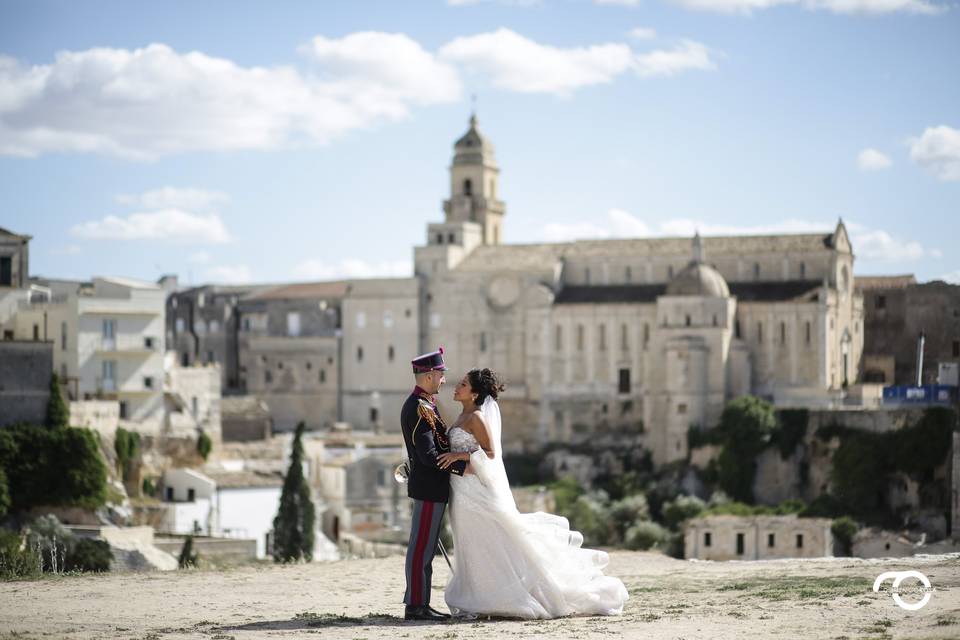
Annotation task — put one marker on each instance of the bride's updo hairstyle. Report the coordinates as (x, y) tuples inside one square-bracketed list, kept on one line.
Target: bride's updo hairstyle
[(484, 382)]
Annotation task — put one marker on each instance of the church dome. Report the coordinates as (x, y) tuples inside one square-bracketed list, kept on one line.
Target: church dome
[(473, 147), (698, 279)]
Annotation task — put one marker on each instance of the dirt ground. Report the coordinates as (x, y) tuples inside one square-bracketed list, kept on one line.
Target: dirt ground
[(822, 598)]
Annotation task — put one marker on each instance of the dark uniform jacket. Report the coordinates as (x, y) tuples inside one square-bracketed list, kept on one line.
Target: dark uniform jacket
[(425, 436)]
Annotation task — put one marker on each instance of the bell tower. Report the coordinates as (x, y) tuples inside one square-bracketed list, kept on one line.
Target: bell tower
[(474, 175)]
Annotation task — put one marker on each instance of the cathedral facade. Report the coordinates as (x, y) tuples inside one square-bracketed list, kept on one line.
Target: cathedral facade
[(651, 336)]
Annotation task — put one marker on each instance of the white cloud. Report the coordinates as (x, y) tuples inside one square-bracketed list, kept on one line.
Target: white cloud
[(229, 274), (689, 55), (868, 244), (174, 198), (149, 102), (643, 33), (953, 277), (868, 7), (173, 225), (938, 150), (200, 257), (516, 63), (873, 160), (314, 269)]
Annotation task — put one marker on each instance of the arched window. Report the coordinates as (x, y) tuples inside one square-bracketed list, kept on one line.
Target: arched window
[(390, 353), (439, 238), (558, 338), (624, 343), (760, 332), (803, 270), (579, 337), (603, 337), (646, 334), (467, 187), (808, 332), (783, 333), (756, 270)]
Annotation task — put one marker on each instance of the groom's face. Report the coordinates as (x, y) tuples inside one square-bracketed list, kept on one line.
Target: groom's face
[(434, 381)]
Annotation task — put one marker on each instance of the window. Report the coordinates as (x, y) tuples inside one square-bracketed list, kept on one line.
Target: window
[(124, 413), (169, 494), (483, 342), (211, 358), (390, 353), (736, 328), (740, 545), (467, 187), (706, 539), (783, 333), (246, 324), (361, 320), (374, 414), (586, 275), (714, 319), (756, 270), (201, 300), (148, 343), (646, 334), (627, 274), (579, 337), (881, 302), (63, 371), (558, 338), (191, 496), (803, 271), (624, 341), (148, 382), (770, 538), (108, 369), (603, 337), (670, 271), (387, 319), (109, 329), (36, 332), (309, 365), (323, 376), (807, 329), (681, 409), (267, 376), (439, 238), (435, 320), (6, 271), (624, 384), (63, 336), (184, 359), (293, 324), (760, 332), (451, 238), (799, 541), (686, 320), (359, 354)]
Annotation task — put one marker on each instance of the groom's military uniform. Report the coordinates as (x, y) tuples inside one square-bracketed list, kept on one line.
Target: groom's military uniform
[(425, 437)]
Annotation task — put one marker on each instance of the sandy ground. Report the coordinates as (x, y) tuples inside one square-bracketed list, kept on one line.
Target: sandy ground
[(828, 598)]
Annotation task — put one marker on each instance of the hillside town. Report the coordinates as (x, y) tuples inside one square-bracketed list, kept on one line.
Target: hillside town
[(714, 398)]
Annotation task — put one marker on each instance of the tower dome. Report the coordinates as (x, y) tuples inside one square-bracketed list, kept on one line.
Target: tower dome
[(473, 147), (698, 278)]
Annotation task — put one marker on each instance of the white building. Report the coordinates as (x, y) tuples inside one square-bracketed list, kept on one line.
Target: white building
[(190, 497), (109, 342)]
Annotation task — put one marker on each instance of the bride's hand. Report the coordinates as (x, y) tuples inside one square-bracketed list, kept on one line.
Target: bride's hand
[(447, 459)]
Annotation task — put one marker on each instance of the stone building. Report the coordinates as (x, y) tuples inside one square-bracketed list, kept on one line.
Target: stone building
[(658, 332), (727, 537), (289, 352), (14, 260), (108, 337), (897, 309), (26, 367)]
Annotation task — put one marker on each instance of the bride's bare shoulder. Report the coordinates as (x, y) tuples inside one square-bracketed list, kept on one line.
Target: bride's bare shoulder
[(475, 421)]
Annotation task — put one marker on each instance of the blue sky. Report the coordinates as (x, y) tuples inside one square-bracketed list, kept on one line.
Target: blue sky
[(256, 141)]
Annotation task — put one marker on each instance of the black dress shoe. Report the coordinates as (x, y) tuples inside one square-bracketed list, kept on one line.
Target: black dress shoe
[(421, 612), (445, 616)]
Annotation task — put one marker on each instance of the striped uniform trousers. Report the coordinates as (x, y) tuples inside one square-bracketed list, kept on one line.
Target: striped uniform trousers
[(424, 536)]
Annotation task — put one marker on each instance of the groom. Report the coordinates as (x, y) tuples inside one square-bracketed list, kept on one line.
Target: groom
[(425, 437)]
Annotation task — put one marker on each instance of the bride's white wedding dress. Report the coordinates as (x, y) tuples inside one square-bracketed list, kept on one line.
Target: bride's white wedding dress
[(512, 564)]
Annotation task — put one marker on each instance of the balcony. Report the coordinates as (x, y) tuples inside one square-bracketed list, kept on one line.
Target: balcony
[(134, 345)]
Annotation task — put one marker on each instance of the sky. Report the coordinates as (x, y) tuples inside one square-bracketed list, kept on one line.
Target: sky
[(240, 141)]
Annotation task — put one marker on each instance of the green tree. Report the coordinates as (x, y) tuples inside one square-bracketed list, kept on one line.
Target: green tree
[(4, 493), (745, 427), (187, 557), (204, 445), (682, 508), (126, 444), (843, 530), (58, 413), (293, 534)]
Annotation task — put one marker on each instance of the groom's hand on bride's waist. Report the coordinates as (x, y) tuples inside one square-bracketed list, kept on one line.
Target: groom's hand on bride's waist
[(446, 459)]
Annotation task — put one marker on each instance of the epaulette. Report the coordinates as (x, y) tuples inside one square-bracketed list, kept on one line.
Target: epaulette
[(426, 412)]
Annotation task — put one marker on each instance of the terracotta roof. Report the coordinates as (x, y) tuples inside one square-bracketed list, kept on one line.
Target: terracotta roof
[(884, 282), (303, 290)]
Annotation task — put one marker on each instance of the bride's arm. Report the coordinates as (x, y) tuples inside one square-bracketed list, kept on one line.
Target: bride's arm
[(478, 427)]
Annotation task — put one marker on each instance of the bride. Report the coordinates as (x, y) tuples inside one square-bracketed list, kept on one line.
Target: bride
[(507, 563)]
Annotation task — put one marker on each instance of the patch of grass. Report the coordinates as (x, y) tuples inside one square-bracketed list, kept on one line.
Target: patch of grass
[(800, 588), (946, 621)]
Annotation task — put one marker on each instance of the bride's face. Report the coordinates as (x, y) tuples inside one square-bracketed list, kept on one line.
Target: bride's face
[(462, 392)]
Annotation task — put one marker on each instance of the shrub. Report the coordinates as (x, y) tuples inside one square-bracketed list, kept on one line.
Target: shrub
[(626, 512), (126, 444), (52, 467), (680, 509), (843, 530), (646, 534), (204, 445), (566, 490), (85, 554), (589, 516), (745, 427), (17, 559), (187, 557)]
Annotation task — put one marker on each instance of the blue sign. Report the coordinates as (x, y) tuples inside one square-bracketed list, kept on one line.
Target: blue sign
[(925, 394)]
